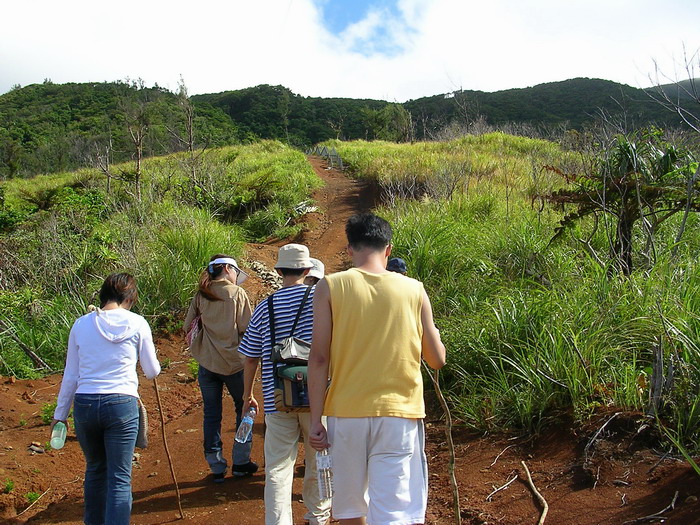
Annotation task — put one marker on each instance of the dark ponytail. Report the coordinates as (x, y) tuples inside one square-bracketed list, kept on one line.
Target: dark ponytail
[(209, 274)]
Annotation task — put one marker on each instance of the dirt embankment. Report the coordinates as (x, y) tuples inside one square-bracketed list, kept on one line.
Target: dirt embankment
[(623, 480)]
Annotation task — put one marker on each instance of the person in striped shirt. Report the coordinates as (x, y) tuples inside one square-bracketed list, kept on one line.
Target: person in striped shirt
[(283, 429)]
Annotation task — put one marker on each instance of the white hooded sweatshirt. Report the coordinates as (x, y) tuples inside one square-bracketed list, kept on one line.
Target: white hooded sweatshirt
[(103, 348)]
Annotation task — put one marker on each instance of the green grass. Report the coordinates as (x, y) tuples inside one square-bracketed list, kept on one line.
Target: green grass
[(68, 233), (47, 411), (536, 332), (193, 368)]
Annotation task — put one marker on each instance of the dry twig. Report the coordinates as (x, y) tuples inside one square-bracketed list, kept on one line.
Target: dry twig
[(656, 516), (499, 455), (595, 437), (34, 502), (502, 487), (543, 502), (448, 432), (167, 452)]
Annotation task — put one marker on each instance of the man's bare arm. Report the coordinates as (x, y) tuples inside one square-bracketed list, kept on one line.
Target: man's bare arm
[(319, 361), (433, 350), (250, 369)]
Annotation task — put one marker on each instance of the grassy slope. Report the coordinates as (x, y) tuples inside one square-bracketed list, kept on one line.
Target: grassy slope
[(535, 330), (69, 233)]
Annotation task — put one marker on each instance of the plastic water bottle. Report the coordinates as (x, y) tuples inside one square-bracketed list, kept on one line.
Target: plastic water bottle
[(246, 426), (58, 435), (324, 473)]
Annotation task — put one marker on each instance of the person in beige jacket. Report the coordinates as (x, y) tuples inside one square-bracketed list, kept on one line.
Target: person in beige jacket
[(224, 312)]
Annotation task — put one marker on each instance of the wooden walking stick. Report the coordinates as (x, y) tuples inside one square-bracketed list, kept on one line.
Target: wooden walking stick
[(167, 452), (435, 378)]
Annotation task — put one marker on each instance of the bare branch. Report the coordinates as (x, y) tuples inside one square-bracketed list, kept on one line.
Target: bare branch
[(540, 498)]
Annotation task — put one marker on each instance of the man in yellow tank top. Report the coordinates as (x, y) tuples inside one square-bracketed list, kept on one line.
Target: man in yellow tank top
[(371, 329)]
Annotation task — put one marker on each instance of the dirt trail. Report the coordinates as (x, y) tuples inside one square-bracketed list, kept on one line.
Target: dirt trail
[(629, 480)]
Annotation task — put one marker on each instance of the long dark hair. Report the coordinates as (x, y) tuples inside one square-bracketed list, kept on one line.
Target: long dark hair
[(211, 273), (119, 287)]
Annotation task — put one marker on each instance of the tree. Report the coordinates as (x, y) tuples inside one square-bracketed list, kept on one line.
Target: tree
[(11, 154), (680, 96), (637, 180), (187, 138), (135, 105), (392, 122)]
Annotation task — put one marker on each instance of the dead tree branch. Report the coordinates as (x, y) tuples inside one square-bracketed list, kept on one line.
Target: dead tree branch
[(167, 452), (540, 498), (38, 361), (656, 516), (502, 487), (500, 454), (435, 378)]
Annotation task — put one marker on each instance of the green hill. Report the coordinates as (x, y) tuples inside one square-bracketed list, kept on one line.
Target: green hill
[(56, 127), (50, 127), (572, 103), (275, 112)]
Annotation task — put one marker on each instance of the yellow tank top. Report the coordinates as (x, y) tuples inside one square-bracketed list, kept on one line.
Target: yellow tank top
[(375, 353)]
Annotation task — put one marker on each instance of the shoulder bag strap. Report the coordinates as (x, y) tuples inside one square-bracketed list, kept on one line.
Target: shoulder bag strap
[(301, 307), (271, 315)]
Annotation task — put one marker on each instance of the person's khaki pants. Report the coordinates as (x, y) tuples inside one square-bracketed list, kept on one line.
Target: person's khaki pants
[(282, 434)]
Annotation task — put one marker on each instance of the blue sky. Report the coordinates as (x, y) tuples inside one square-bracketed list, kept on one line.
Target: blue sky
[(341, 15), (393, 50)]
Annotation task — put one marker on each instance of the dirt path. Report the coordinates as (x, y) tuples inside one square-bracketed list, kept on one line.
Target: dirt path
[(629, 480)]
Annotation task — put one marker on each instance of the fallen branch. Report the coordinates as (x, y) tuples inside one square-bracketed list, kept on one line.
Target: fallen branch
[(658, 515), (543, 502), (661, 459), (595, 436), (167, 452), (38, 361), (448, 432), (34, 502), (499, 455), (502, 487)]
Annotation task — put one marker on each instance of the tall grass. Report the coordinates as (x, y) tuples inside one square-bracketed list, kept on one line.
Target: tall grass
[(71, 233), (535, 330)]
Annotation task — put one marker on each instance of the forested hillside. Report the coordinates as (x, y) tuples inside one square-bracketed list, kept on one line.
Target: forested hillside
[(51, 128), (274, 111), (571, 103), (58, 127)]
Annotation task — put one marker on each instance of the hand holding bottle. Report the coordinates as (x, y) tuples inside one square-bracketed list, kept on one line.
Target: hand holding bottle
[(246, 426), (58, 434)]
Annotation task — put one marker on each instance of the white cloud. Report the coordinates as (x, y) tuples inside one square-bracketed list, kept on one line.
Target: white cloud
[(435, 45)]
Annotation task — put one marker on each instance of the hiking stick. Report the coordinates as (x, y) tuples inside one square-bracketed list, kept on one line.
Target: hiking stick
[(167, 452), (448, 432)]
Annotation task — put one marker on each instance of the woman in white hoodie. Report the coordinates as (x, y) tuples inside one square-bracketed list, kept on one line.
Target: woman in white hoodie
[(100, 379)]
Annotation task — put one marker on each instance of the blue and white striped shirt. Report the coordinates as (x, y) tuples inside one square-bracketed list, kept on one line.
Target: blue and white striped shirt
[(256, 340)]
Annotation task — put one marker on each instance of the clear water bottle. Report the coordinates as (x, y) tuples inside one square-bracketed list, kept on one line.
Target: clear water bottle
[(58, 435), (246, 426), (324, 473)]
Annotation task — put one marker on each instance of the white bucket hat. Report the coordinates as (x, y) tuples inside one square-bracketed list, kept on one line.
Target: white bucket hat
[(294, 257), (242, 276), (318, 269)]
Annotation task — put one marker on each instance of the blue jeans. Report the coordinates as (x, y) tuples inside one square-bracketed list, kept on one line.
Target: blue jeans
[(106, 426), (212, 387)]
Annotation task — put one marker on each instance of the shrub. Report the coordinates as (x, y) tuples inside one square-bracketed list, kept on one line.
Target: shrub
[(47, 411)]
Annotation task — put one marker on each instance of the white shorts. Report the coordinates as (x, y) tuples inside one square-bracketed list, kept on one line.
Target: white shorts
[(379, 469)]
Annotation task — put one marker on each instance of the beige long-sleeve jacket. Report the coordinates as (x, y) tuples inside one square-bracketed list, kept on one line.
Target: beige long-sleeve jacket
[(223, 323)]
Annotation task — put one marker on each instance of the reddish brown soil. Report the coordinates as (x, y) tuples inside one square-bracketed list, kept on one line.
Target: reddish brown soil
[(625, 478)]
